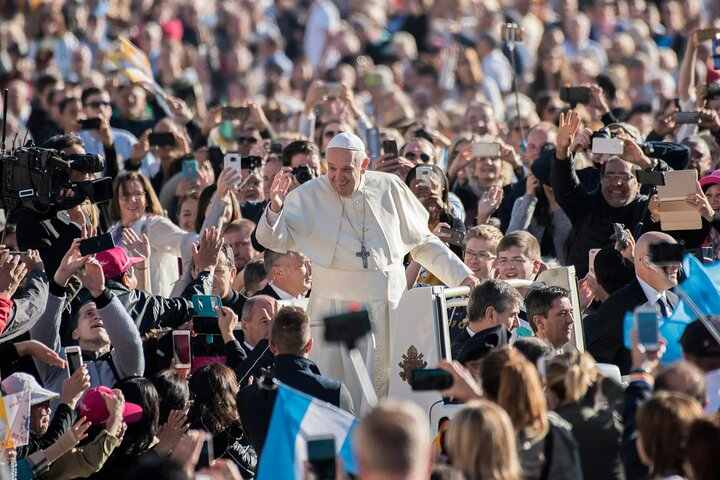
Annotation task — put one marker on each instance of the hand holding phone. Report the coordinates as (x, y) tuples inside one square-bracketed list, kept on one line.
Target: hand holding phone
[(73, 355), (161, 139), (321, 457), (647, 325), (90, 124), (390, 148), (430, 379), (575, 95), (235, 113), (96, 244), (190, 169), (181, 349)]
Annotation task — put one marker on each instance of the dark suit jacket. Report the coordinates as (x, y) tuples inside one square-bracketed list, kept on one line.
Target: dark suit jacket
[(269, 291), (48, 234), (458, 342), (606, 344), (255, 406)]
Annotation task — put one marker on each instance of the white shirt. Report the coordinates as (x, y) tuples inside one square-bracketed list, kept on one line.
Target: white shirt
[(324, 17), (653, 295)]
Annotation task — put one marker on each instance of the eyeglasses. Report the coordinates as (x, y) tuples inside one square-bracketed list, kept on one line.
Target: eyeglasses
[(43, 405), (512, 261), (424, 157), (618, 177), (481, 256), (247, 140), (330, 133), (97, 104)]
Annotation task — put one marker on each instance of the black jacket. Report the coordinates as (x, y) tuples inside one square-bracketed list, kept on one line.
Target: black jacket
[(606, 344), (255, 406), (591, 216), (246, 362), (269, 291), (233, 444), (236, 302), (152, 311), (50, 235), (598, 433)]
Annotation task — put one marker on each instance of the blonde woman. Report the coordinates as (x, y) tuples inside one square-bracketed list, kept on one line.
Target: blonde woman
[(481, 443), (571, 382), (512, 382)]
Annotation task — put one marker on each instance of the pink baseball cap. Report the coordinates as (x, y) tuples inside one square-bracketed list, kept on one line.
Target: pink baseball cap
[(115, 261), (711, 179), (93, 407)]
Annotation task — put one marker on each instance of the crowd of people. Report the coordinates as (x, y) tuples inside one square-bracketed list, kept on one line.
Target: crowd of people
[(340, 152)]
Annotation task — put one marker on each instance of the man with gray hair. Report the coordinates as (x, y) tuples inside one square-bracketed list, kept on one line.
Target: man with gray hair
[(393, 442), (289, 275), (356, 227)]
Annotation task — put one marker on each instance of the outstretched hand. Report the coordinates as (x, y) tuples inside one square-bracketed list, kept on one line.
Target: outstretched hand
[(12, 272), (93, 277), (205, 253), (569, 123), (70, 264), (279, 190)]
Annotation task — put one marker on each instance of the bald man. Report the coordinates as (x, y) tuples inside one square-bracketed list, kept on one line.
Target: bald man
[(651, 287)]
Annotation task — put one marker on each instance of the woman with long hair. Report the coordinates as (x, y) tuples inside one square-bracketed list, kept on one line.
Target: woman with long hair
[(213, 390), (663, 424), (571, 384), (481, 443), (545, 445), (135, 206)]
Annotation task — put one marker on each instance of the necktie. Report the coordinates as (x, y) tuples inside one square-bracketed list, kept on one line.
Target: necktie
[(664, 310)]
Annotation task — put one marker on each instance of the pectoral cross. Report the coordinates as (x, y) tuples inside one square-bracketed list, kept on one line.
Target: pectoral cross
[(364, 254)]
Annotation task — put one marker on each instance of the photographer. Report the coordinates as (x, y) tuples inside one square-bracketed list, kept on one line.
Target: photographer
[(52, 232)]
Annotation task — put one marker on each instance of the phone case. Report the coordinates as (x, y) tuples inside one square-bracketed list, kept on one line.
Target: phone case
[(205, 305), (675, 212)]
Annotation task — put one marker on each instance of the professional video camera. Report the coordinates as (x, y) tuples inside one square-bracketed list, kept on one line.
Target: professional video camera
[(35, 177)]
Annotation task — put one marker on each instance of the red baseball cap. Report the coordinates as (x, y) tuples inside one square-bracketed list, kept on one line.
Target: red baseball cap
[(93, 407), (115, 261)]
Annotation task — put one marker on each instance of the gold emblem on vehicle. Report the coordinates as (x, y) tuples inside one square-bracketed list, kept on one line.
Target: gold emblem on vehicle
[(411, 360)]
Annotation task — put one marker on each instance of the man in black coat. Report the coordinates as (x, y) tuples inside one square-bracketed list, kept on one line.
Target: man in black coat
[(291, 343), (651, 287), (617, 200), (493, 306), (289, 275)]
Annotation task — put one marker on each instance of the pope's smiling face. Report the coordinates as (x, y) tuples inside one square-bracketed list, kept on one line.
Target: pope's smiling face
[(345, 170)]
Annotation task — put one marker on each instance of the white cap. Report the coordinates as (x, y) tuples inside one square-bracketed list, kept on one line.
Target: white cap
[(346, 141), (19, 381)]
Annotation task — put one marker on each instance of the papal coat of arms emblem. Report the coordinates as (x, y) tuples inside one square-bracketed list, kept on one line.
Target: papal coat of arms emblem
[(411, 360)]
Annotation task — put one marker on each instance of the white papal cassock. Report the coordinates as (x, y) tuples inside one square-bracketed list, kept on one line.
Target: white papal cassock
[(312, 222)]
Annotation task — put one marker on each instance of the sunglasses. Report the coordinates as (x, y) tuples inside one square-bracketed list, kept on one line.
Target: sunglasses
[(330, 133), (97, 104), (247, 140), (424, 157)]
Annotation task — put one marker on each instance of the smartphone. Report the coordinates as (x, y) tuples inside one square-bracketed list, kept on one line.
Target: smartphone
[(715, 55), (235, 113), (430, 379), (251, 162), (97, 244), (90, 124), (609, 146), (707, 34), (574, 95), (692, 118), (646, 323), (181, 348), (190, 169), (321, 457), (205, 305), (207, 455), (232, 160), (424, 173), (457, 237), (486, 150), (22, 253), (74, 358), (390, 147), (591, 260), (161, 139), (373, 142)]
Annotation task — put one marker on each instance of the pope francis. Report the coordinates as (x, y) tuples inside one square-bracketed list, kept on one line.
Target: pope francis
[(356, 227)]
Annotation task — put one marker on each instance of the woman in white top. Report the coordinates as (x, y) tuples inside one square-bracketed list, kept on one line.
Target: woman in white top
[(136, 206)]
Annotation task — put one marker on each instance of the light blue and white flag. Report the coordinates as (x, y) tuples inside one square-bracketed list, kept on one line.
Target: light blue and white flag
[(295, 418)]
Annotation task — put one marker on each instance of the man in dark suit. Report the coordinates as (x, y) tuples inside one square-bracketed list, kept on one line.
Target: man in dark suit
[(290, 342), (249, 353), (651, 287), (288, 275), (493, 305)]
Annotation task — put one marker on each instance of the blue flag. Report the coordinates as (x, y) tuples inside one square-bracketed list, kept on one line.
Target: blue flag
[(295, 418)]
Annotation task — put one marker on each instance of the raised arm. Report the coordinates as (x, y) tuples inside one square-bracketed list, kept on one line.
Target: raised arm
[(272, 230), (127, 353), (569, 193)]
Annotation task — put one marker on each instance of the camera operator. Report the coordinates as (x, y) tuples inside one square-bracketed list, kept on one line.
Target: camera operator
[(52, 232)]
